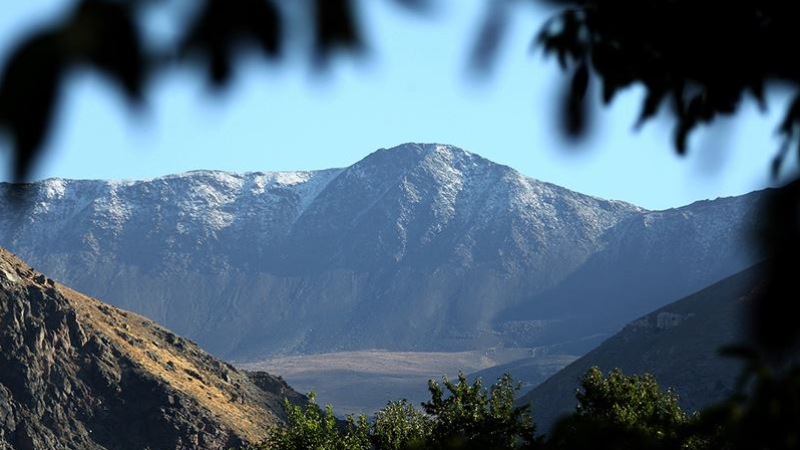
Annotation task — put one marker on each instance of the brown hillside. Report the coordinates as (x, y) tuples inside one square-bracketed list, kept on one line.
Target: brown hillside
[(76, 373)]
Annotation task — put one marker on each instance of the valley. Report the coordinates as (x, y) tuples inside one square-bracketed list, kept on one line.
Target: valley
[(364, 381)]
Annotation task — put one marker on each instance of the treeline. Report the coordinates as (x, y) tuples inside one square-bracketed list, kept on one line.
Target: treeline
[(614, 411)]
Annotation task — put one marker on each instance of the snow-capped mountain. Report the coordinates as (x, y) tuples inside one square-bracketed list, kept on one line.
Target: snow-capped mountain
[(425, 247)]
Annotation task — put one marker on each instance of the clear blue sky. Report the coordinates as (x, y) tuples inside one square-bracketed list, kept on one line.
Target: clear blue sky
[(412, 86)]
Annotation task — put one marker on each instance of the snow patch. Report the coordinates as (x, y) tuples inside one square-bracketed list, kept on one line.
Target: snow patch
[(54, 188), (112, 211)]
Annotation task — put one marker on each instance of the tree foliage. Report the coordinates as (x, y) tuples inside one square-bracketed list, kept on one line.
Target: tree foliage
[(400, 426), (697, 57), (468, 416), (620, 411), (635, 401), (613, 411), (311, 428), (471, 416)]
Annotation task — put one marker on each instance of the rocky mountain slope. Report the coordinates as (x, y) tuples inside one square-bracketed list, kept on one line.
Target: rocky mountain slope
[(76, 373), (678, 343), (419, 247), (648, 261)]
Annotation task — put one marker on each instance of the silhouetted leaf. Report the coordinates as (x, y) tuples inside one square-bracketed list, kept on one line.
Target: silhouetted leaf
[(777, 160), (104, 35), (266, 26), (664, 45), (682, 133), (414, 4), (562, 36), (797, 143), (223, 28), (678, 102), (650, 105), (791, 120), (335, 27), (757, 89), (562, 59), (29, 93), (580, 82), (219, 67), (489, 38), (745, 352), (574, 113), (609, 91)]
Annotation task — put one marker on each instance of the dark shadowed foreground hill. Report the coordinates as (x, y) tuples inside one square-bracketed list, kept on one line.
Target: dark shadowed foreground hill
[(78, 374), (422, 247), (678, 343)]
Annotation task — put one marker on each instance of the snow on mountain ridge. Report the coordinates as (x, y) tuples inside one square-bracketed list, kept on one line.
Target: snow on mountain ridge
[(214, 200), (207, 199), (111, 207), (450, 182), (54, 188), (434, 183)]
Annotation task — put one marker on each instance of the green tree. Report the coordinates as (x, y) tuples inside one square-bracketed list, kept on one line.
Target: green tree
[(468, 417), (620, 411), (635, 401), (471, 416), (310, 428), (399, 426)]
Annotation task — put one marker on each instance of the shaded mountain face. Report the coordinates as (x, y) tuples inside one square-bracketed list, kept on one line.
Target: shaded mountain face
[(678, 343), (76, 373), (648, 261), (419, 247)]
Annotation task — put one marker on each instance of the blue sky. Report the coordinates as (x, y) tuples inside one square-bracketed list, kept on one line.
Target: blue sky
[(411, 86)]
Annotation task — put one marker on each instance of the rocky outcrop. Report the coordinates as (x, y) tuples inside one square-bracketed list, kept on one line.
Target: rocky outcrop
[(76, 373)]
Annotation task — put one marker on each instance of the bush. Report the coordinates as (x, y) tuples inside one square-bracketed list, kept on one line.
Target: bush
[(468, 417), (401, 426), (622, 412), (311, 428), (474, 417)]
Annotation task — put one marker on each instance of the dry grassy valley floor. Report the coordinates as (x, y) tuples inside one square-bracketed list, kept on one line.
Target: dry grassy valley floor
[(364, 381)]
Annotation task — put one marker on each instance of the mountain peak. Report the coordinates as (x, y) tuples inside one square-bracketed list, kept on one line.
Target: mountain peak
[(423, 148), (446, 163), (423, 151), (431, 147)]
